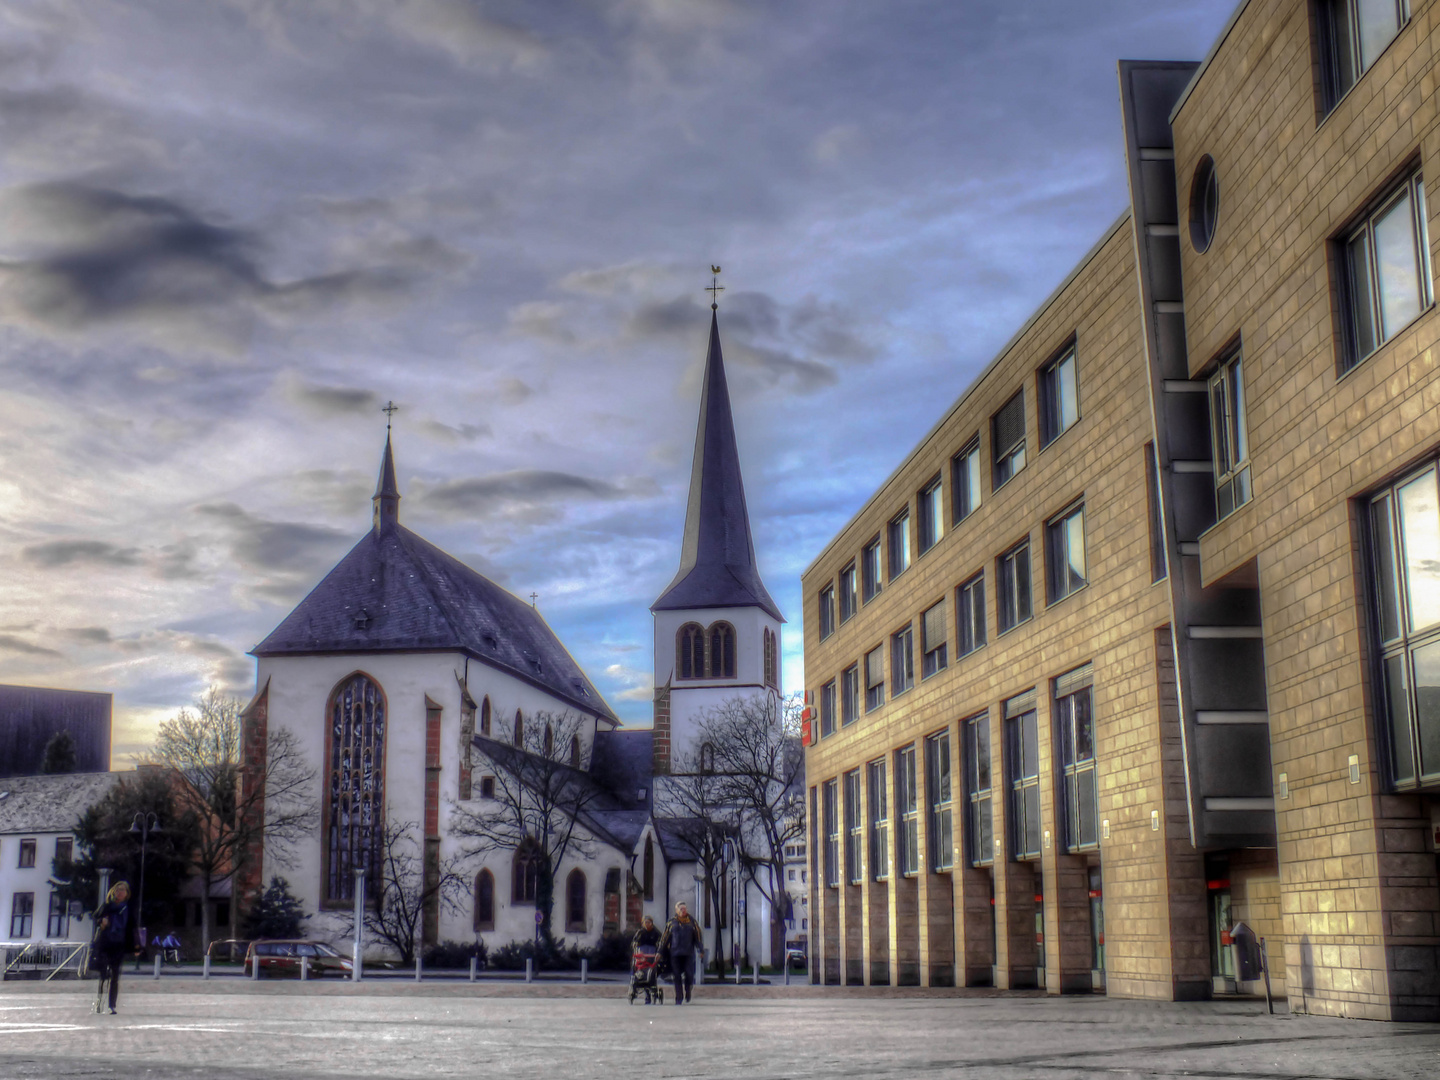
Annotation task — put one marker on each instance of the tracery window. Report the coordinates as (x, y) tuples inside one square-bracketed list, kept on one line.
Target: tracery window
[(525, 873), (575, 751), (707, 757), (722, 651), (549, 741), (575, 902), (772, 664), (484, 900), (691, 645), (519, 729), (355, 805), (485, 718)]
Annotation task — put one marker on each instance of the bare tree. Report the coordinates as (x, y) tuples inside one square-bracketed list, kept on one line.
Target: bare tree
[(541, 794), (693, 799), (403, 891), (203, 746), (759, 768)]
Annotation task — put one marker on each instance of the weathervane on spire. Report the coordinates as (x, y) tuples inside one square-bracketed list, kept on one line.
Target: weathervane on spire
[(389, 409), (714, 288)]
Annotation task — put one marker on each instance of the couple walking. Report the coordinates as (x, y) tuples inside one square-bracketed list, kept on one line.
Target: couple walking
[(680, 942)]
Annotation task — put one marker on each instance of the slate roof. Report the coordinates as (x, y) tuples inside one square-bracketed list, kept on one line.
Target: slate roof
[(397, 591), (31, 715), (623, 761), (50, 804), (717, 557)]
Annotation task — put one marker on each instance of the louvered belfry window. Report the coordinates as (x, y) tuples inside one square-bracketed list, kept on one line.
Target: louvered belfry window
[(356, 805)]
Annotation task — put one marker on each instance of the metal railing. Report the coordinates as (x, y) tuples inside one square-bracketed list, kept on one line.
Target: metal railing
[(52, 957)]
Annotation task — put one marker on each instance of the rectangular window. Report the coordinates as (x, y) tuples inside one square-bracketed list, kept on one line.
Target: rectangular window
[(937, 791), (850, 694), (902, 661), (965, 480), (829, 798), (1387, 271), (854, 828), (898, 535), (1075, 726), (1227, 438), (1059, 398), (1013, 570), (1405, 566), (907, 800), (57, 922), (849, 601), (931, 503), (1007, 440), (27, 854), (826, 601), (870, 569), (879, 821), (1065, 553), (875, 678), (970, 615), (1022, 752), (22, 915), (977, 789), (1158, 562), (932, 625), (827, 709), (1353, 34)]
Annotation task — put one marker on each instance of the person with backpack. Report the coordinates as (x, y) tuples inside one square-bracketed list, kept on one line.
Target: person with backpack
[(114, 937), (680, 942)]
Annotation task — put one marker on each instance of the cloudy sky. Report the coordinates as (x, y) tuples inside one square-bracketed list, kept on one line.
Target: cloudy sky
[(231, 230)]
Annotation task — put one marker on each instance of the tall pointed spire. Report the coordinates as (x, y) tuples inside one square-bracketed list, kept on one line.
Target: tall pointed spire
[(387, 492), (717, 557)]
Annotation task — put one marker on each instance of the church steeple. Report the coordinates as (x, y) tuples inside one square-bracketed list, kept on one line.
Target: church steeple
[(717, 558), (387, 492)]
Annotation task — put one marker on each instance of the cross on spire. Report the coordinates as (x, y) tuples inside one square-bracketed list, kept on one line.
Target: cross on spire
[(714, 288), (389, 409), (533, 597)]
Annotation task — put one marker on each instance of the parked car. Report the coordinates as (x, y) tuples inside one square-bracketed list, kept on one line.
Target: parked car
[(796, 957), (284, 957), (230, 950)]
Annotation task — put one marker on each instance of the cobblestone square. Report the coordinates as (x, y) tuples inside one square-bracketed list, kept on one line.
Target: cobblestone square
[(238, 1031)]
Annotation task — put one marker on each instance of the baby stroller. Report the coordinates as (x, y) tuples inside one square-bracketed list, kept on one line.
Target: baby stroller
[(644, 975)]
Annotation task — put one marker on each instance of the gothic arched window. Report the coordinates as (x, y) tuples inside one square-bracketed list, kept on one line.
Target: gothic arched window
[(707, 757), (519, 729), (722, 651), (690, 643), (575, 751), (485, 718), (549, 741), (355, 802), (525, 873), (575, 901), (649, 869), (484, 900)]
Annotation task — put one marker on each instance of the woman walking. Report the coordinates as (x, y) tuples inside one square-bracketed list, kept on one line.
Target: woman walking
[(681, 939), (114, 937)]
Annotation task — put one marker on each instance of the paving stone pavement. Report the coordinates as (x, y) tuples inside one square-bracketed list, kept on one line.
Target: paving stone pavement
[(236, 1030)]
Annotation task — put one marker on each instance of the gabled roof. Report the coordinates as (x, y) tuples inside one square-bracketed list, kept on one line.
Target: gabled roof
[(50, 804), (623, 761), (397, 591), (717, 557)]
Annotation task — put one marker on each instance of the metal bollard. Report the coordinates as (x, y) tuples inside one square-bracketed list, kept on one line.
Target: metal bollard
[(304, 969), (755, 974), (157, 966), (417, 969), (584, 969), (529, 970), (255, 966), (205, 967), (474, 961)]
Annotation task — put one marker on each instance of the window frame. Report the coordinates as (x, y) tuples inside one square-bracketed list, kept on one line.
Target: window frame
[(979, 789), (970, 615), (1026, 817), (935, 656), (1343, 63), (854, 825), (28, 848), (940, 801), (850, 695), (1007, 461), (907, 810), (829, 803), (827, 709), (1353, 351), (576, 921), (1009, 588), (825, 600), (22, 916), (1229, 438), (1059, 558), (879, 820), (930, 510), (897, 544), (874, 691), (1071, 695), (1159, 559), (902, 660), (872, 564), (849, 592), (1050, 387), (965, 495)]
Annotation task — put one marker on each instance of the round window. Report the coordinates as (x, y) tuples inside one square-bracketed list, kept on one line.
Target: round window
[(1204, 203)]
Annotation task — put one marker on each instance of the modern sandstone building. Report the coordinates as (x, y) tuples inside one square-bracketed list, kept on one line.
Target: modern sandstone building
[(1143, 638)]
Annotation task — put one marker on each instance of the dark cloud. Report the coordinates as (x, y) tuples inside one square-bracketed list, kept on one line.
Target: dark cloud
[(456, 433), (55, 553), (11, 643), (528, 493), (332, 400), (89, 635), (82, 257), (275, 546)]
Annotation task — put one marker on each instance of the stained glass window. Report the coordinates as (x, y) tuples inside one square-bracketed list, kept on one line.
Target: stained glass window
[(356, 804)]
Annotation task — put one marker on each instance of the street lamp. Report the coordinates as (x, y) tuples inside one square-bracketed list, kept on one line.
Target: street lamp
[(357, 962), (143, 825)]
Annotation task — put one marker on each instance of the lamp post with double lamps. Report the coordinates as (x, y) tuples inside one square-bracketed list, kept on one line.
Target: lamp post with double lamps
[(144, 824)]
